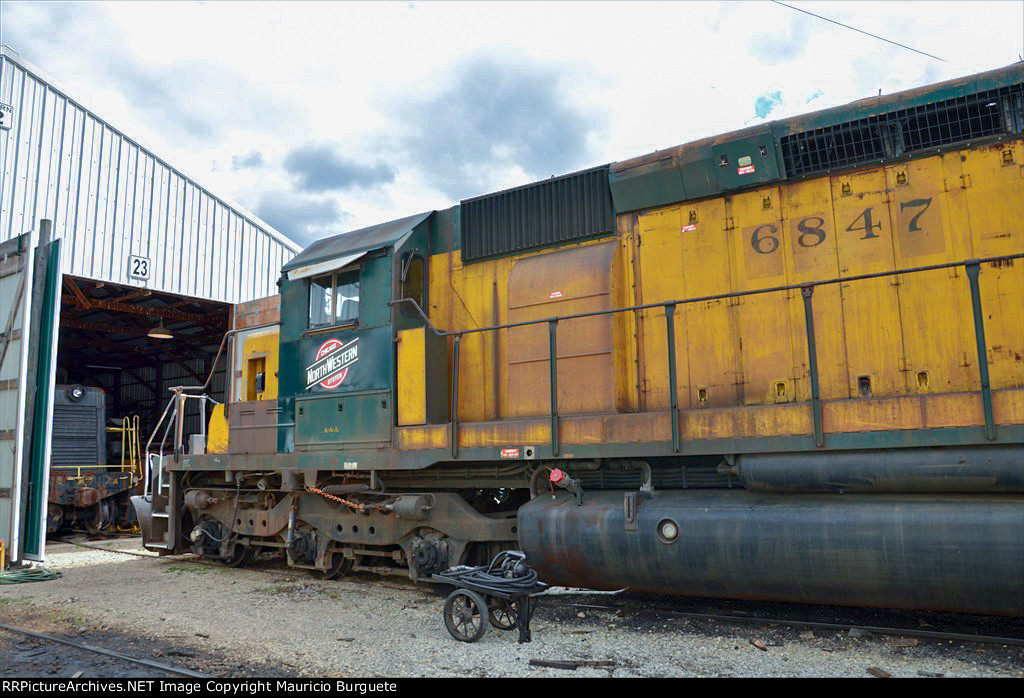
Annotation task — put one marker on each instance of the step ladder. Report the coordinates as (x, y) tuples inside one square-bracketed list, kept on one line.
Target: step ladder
[(163, 529), (159, 502)]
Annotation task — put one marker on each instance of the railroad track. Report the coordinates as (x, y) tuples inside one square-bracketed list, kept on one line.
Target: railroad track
[(659, 608), (177, 671)]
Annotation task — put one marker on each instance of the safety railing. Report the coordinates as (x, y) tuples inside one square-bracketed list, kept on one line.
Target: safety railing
[(176, 407), (972, 266)]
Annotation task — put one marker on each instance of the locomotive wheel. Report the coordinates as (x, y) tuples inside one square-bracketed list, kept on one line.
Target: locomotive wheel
[(466, 615), (241, 556), (503, 613), (340, 566)]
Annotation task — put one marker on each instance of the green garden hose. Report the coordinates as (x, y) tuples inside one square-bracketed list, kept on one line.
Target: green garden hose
[(28, 574)]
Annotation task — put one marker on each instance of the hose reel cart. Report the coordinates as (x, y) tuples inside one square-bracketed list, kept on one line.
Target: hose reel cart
[(502, 594)]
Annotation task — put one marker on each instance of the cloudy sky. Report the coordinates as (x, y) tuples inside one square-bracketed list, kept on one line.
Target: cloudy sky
[(323, 117)]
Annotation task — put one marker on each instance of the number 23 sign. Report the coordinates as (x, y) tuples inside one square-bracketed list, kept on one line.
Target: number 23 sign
[(139, 268)]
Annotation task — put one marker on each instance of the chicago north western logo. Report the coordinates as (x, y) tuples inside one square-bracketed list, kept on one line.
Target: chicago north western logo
[(330, 366)]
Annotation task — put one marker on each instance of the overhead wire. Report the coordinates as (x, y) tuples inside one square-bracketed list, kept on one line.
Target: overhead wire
[(861, 31)]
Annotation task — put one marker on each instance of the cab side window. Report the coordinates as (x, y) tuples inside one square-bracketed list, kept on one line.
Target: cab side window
[(320, 292), (334, 299), (346, 297)]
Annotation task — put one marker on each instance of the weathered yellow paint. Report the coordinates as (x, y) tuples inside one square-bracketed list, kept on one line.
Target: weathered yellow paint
[(911, 334), (926, 411), (659, 247), (1008, 406), (217, 431), (257, 346), (871, 318), (995, 211), (626, 378), (412, 377), (561, 283), (681, 258), (470, 297), (421, 437), (742, 364), (477, 295), (812, 253), (931, 312), (758, 245)]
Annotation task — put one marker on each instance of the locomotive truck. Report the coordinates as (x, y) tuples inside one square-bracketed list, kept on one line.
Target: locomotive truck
[(783, 363)]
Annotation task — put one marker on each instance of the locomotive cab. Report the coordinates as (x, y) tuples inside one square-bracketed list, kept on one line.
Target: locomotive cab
[(342, 314)]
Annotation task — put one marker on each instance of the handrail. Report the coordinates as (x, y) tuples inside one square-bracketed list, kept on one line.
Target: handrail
[(177, 400), (179, 395), (973, 268), (220, 350), (715, 297)]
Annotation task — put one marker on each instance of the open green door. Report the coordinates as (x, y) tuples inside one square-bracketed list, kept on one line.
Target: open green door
[(29, 299)]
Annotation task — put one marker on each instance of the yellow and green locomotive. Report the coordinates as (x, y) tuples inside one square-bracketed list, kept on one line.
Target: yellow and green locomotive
[(784, 363)]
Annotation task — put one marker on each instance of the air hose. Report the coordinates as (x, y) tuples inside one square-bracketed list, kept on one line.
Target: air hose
[(28, 574), (508, 573)]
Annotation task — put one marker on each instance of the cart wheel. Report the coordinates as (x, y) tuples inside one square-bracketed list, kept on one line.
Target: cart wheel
[(340, 566), (465, 615), (504, 613)]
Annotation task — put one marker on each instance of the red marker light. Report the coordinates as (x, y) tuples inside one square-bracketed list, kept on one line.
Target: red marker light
[(556, 476)]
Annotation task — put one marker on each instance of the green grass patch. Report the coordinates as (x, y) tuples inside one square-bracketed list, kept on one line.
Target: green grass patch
[(188, 569)]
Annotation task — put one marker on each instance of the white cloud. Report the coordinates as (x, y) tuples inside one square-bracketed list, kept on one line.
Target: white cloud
[(208, 84)]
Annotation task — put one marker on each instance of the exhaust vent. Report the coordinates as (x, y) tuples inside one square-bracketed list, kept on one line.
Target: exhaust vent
[(904, 132)]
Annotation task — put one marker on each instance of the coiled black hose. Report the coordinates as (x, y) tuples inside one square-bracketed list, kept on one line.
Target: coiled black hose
[(499, 576)]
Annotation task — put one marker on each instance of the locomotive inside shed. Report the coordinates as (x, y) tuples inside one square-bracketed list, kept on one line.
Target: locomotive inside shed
[(119, 350)]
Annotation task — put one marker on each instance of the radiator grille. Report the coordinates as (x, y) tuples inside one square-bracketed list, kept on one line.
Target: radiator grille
[(904, 132), (76, 435), (554, 211)]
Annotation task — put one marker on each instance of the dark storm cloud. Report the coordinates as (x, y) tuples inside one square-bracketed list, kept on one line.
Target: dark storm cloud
[(499, 113), (321, 168), (301, 219), (252, 159)]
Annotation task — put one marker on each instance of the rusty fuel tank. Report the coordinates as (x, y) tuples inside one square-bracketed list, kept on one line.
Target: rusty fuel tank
[(942, 553)]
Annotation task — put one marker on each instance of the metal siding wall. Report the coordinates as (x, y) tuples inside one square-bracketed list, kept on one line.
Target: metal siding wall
[(109, 198)]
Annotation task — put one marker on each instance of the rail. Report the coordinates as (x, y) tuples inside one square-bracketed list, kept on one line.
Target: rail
[(972, 266)]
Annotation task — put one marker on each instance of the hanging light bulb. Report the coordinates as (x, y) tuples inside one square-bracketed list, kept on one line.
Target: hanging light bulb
[(160, 332)]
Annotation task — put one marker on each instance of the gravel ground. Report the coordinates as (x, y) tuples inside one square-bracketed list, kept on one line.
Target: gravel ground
[(270, 621)]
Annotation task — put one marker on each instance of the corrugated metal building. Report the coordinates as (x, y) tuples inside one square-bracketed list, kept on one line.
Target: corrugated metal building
[(132, 242), (109, 198)]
